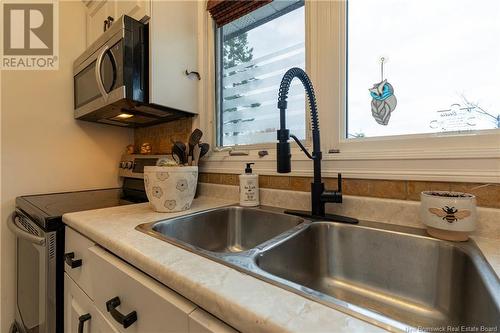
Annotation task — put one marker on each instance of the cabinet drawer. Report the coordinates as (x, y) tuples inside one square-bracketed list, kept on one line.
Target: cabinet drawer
[(157, 308), (77, 261), (201, 321)]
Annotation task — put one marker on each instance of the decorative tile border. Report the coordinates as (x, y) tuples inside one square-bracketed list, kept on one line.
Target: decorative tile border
[(488, 195)]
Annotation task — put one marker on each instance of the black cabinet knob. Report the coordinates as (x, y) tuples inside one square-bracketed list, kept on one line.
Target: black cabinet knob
[(124, 320), (70, 260)]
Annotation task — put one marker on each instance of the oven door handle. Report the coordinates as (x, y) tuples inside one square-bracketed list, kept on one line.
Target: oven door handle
[(98, 76), (19, 232)]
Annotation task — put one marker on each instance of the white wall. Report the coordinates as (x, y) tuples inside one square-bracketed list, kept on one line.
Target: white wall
[(43, 149)]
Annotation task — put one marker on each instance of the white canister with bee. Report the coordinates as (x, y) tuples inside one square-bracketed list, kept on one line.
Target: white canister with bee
[(448, 215)]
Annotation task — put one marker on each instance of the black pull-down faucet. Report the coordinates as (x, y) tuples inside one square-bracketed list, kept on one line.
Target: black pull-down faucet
[(319, 196)]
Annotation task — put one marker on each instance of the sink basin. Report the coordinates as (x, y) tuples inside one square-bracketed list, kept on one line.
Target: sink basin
[(410, 280), (394, 277), (228, 229)]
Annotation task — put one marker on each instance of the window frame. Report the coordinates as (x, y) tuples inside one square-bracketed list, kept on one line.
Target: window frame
[(470, 157)]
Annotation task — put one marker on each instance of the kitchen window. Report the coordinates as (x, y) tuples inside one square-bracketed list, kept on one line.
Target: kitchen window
[(252, 54), (352, 141), (418, 67)]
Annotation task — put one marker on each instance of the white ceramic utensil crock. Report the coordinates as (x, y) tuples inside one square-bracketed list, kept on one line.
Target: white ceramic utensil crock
[(170, 189)]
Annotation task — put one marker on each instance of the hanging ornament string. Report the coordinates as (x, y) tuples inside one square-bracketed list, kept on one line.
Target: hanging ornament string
[(382, 60), (383, 99)]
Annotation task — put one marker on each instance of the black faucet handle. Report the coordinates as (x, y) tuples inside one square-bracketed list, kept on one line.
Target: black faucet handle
[(331, 196)]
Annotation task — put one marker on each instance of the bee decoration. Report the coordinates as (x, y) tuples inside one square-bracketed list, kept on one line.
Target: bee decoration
[(450, 214), (383, 100)]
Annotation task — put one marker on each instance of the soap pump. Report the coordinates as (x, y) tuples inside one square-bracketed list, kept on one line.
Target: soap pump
[(249, 187)]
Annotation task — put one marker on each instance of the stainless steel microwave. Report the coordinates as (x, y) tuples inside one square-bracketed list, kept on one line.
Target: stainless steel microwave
[(111, 79)]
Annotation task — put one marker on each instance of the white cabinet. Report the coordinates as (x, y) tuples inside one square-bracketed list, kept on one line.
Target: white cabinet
[(173, 50), (203, 322), (76, 305), (78, 264), (157, 308), (137, 9), (102, 325), (79, 310), (99, 11), (150, 306)]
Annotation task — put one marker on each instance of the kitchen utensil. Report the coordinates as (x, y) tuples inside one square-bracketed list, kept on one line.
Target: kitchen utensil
[(176, 159), (204, 148), (179, 149), (196, 154), (194, 139)]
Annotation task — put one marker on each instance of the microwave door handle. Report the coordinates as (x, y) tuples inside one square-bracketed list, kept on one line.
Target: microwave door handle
[(14, 227), (98, 76)]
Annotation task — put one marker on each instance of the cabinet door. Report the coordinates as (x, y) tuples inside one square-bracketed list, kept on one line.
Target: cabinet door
[(97, 13), (76, 305), (173, 50), (202, 322), (120, 288), (137, 9)]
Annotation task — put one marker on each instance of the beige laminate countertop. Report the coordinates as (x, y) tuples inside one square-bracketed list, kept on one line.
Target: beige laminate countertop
[(245, 302)]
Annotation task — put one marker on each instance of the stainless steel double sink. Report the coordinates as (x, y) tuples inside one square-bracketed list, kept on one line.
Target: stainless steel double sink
[(394, 277)]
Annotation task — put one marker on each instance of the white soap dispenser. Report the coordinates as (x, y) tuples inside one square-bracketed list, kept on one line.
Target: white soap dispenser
[(249, 187)]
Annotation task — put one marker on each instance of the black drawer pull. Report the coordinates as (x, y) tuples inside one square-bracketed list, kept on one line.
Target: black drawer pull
[(124, 320), (70, 260), (81, 321)]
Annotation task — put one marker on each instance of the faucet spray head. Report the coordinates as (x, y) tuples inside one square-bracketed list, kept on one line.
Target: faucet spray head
[(283, 154)]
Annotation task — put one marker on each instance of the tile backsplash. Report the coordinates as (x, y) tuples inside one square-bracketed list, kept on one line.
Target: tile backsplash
[(161, 136), (488, 195)]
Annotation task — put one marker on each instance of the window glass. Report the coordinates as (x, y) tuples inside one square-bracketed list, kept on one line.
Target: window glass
[(254, 53), (422, 66)]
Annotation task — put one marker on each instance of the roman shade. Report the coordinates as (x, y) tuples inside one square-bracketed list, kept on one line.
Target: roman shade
[(226, 11)]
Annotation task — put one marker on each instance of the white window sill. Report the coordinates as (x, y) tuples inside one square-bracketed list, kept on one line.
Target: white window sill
[(458, 165)]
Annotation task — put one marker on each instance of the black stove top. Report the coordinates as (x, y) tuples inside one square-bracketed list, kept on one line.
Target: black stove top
[(47, 209)]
